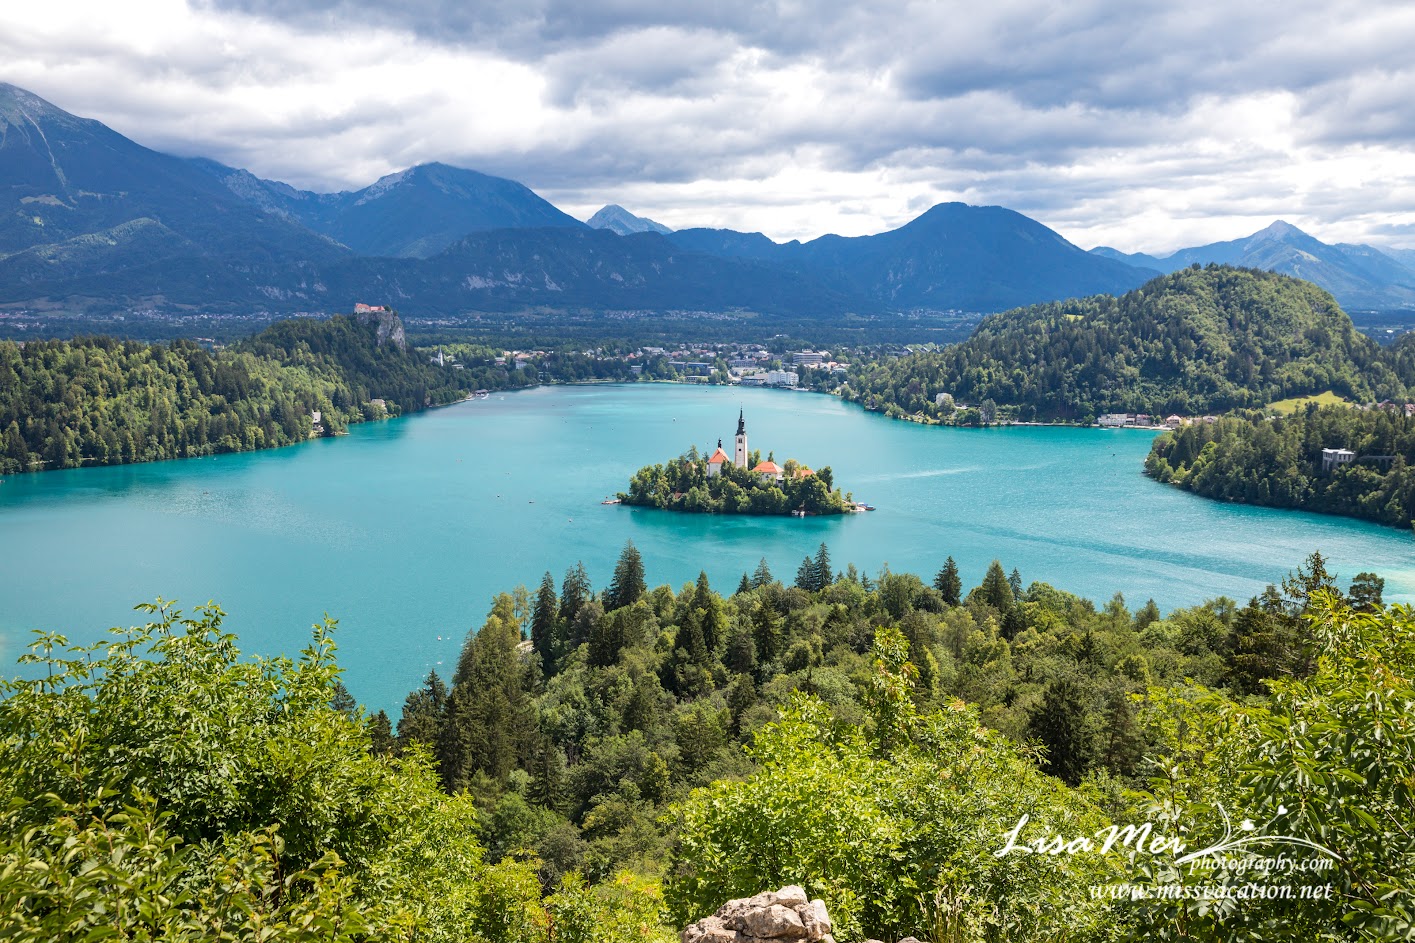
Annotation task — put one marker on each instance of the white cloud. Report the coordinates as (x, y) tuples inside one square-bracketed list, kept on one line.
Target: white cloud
[(1142, 125)]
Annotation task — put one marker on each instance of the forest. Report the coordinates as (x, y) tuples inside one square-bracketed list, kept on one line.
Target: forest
[(685, 485), (101, 401), (608, 765), (1277, 461), (1198, 341)]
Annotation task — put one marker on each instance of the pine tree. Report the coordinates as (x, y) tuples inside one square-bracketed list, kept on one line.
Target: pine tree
[(344, 702), (380, 735), (490, 718), (543, 624), (762, 577), (575, 591), (766, 632), (423, 713), (741, 654), (806, 575), (711, 618), (628, 585), (1121, 745), (824, 575), (948, 583), (549, 775), (745, 586), (1014, 583), (1059, 723), (1014, 622), (689, 672), (995, 590)]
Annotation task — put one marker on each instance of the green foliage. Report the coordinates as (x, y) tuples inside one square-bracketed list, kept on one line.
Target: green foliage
[(1196, 341), (1277, 462), (1331, 760), (684, 485), (100, 401), (885, 839)]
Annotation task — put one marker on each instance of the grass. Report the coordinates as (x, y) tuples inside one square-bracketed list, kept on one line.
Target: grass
[(1292, 404)]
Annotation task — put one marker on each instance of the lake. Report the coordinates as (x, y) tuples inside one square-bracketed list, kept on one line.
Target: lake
[(403, 530)]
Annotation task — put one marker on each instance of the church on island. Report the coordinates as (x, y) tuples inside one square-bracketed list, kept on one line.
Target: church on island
[(768, 470)]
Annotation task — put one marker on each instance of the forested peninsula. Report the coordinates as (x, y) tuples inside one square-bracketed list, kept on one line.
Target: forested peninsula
[(1199, 341), (695, 483), (607, 766), (101, 401), (1278, 461)]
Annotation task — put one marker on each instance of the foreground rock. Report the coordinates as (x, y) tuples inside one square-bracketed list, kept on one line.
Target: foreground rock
[(784, 915)]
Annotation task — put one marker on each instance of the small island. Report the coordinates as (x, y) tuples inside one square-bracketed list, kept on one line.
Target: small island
[(741, 484)]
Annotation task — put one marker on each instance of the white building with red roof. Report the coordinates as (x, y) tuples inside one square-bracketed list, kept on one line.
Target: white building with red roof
[(717, 460), (769, 470)]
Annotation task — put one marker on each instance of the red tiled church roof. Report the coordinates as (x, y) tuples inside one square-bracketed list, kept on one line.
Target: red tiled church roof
[(718, 457)]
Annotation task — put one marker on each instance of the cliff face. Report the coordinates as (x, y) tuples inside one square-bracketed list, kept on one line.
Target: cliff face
[(389, 328)]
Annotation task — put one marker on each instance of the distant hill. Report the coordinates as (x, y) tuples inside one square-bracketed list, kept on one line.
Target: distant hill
[(955, 256), (1359, 276), (1192, 342), (616, 218), (513, 269), (1405, 257), (415, 213)]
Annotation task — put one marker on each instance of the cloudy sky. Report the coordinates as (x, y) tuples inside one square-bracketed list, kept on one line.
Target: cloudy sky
[(1142, 125)]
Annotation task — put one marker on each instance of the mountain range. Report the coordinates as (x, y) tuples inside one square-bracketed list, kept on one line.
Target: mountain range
[(1359, 276), (91, 221)]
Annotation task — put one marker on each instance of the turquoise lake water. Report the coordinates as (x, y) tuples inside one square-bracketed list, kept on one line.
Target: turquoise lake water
[(403, 530)]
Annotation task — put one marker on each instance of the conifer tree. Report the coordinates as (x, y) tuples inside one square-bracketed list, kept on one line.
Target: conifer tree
[(489, 715), (1060, 724), (344, 702), (948, 583), (824, 575), (575, 591), (762, 576), (543, 624), (806, 575), (711, 618), (1014, 583), (745, 586), (741, 656), (766, 631), (380, 735), (628, 584), (995, 590), (423, 710)]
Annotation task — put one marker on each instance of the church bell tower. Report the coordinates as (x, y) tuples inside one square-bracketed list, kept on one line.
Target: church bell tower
[(739, 453)]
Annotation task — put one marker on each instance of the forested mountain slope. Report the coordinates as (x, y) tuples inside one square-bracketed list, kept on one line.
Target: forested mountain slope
[(1201, 340), (100, 401)]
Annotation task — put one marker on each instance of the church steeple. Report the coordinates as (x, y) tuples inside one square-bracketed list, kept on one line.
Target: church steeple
[(739, 453)]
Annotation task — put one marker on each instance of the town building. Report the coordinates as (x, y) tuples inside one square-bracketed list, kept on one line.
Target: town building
[(782, 378), (1331, 458)]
